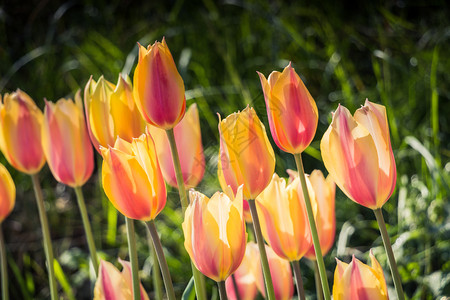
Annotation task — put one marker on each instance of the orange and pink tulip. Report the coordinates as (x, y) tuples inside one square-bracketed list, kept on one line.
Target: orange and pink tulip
[(20, 132), (158, 87), (359, 281), (132, 178), (357, 152), (188, 138), (291, 110), (7, 193), (65, 141), (214, 232)]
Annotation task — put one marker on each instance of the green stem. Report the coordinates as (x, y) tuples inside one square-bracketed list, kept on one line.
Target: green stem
[(87, 228), (5, 295), (162, 260), (312, 225), (222, 290), (298, 279), (199, 280), (133, 258), (157, 281), (317, 279), (235, 287), (390, 253), (262, 250), (48, 249)]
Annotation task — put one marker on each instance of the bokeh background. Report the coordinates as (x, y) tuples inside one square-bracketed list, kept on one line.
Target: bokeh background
[(392, 52)]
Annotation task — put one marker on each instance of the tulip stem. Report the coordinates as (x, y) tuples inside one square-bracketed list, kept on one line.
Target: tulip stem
[(48, 249), (387, 246), (262, 250), (87, 228), (199, 280), (222, 290), (298, 279), (317, 279), (157, 283), (162, 260), (235, 287), (5, 295), (133, 258), (312, 225)]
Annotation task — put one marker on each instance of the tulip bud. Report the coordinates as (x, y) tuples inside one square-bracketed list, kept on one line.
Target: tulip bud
[(283, 218), (20, 132), (65, 141), (158, 87), (7, 193), (359, 281), (215, 228), (358, 155), (188, 138), (246, 156), (291, 110), (132, 179), (111, 112)]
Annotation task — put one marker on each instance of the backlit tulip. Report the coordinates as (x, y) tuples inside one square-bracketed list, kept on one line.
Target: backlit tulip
[(245, 276), (280, 271), (214, 232), (7, 193), (291, 110), (357, 152), (114, 285), (132, 179), (20, 132), (359, 281), (111, 112), (66, 143), (189, 140), (246, 156), (158, 87), (283, 218)]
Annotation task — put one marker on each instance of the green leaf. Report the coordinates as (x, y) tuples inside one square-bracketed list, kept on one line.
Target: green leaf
[(189, 292)]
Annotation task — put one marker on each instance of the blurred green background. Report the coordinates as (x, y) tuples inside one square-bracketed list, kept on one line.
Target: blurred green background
[(392, 52)]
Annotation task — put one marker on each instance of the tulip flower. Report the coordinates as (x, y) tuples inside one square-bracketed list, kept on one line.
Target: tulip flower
[(291, 110), (280, 271), (158, 87), (246, 156), (283, 218), (7, 193), (214, 232), (357, 153), (245, 275), (188, 137), (111, 112), (20, 132), (132, 179), (359, 281), (115, 285), (65, 141)]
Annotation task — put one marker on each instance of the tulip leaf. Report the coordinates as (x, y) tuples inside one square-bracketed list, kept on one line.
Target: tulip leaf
[(62, 279), (189, 292)]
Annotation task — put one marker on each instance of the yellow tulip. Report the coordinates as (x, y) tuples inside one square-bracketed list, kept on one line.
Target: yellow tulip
[(111, 112), (132, 179), (214, 232), (20, 132), (359, 281), (246, 156), (7, 193)]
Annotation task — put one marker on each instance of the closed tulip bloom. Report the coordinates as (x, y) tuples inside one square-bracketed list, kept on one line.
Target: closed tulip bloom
[(357, 152), (66, 143), (111, 112), (158, 87), (188, 138), (291, 110), (112, 284), (283, 218), (214, 232), (246, 156), (132, 179), (20, 132), (324, 190), (359, 281), (7, 193)]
